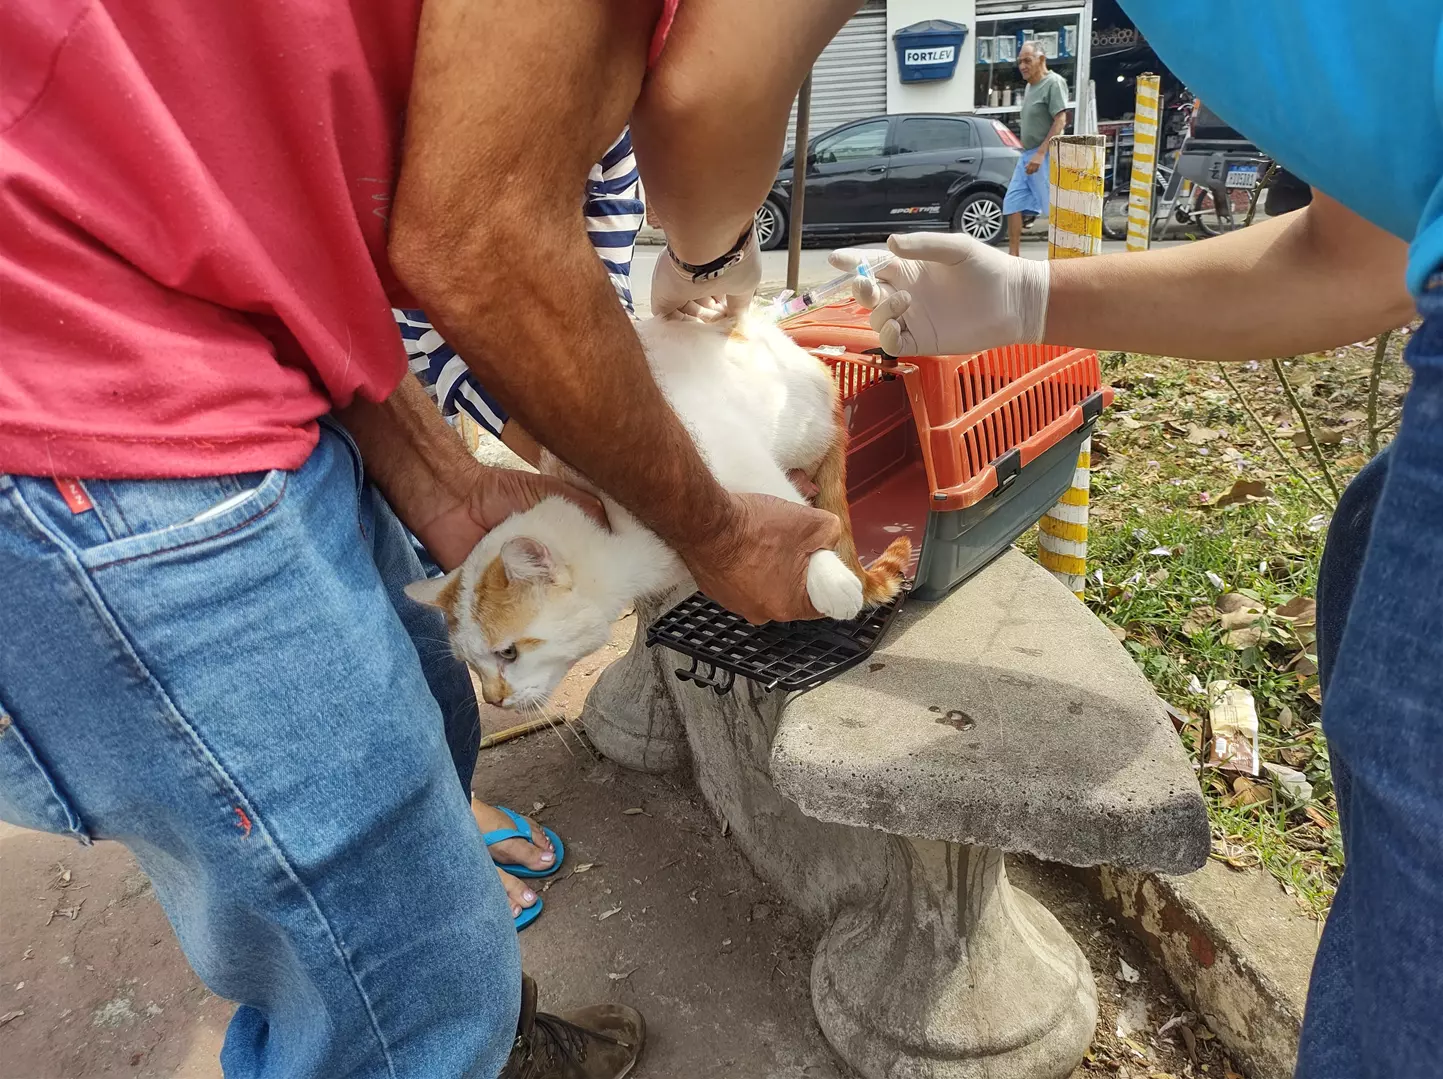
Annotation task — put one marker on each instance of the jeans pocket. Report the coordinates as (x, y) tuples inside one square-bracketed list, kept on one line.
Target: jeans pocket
[(132, 519), (29, 797)]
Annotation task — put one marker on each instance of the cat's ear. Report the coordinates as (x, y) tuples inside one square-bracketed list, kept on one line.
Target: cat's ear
[(436, 592), (528, 559)]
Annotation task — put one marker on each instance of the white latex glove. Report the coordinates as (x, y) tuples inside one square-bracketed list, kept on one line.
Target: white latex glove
[(730, 292), (947, 293)]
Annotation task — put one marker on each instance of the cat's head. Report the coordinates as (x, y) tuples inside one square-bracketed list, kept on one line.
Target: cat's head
[(513, 608)]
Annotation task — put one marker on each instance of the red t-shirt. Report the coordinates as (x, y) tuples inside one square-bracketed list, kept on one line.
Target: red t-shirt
[(193, 203)]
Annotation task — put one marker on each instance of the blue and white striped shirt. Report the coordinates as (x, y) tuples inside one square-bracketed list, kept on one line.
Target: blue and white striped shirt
[(615, 207)]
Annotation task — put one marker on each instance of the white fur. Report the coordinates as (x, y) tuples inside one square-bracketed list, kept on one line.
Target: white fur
[(756, 408)]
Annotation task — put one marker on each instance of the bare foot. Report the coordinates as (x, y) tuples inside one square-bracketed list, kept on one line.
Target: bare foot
[(518, 894), (537, 856)]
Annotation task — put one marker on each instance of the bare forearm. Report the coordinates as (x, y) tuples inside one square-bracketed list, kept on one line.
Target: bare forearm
[(1294, 284), (411, 454), (710, 123), (503, 266), (1059, 125), (581, 384)]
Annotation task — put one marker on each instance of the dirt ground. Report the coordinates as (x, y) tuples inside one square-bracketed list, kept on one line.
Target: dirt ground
[(655, 908)]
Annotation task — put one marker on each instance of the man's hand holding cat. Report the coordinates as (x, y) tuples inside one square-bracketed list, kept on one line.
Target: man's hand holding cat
[(491, 496), (757, 564)]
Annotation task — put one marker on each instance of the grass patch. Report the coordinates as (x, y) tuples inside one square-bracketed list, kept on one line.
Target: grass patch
[(1168, 547)]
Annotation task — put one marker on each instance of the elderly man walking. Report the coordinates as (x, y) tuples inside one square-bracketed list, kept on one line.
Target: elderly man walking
[(1044, 115)]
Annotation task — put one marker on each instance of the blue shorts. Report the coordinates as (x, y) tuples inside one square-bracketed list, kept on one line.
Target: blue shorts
[(1027, 194)]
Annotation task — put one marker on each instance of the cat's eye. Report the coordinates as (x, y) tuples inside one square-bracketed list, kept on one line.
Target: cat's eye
[(507, 654)]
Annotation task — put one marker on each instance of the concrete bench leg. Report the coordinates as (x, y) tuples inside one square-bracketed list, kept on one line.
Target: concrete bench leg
[(952, 972), (631, 714), (930, 963)]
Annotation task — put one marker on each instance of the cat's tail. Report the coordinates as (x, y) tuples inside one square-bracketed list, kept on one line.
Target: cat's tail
[(883, 579)]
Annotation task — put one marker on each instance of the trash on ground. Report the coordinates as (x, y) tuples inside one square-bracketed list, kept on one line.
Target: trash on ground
[(1233, 716)]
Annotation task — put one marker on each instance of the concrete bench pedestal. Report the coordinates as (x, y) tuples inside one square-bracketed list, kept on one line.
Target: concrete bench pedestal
[(1005, 718)]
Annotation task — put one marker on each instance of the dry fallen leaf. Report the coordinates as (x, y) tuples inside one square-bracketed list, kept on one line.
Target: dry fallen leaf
[(617, 976), (1317, 817), (1244, 491), (1233, 601), (1197, 620), (608, 913), (1198, 435), (582, 868), (1305, 664), (1128, 973), (1241, 617), (1246, 792), (635, 810), (1244, 638), (14, 1014), (1302, 609)]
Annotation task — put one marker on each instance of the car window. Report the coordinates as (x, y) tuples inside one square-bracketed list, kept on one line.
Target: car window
[(863, 141), (926, 134)]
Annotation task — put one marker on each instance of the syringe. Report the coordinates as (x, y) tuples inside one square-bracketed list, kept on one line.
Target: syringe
[(823, 294)]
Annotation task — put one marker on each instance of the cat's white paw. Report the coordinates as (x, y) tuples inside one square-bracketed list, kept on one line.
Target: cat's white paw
[(833, 589)]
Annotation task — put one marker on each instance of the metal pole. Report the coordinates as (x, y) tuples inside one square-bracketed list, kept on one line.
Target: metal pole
[(799, 182), (1074, 229)]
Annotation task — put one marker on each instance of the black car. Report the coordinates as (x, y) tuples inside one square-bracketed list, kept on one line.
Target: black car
[(899, 173)]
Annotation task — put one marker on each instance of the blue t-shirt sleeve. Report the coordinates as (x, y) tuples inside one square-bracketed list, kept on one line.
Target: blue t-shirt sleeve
[(1322, 86)]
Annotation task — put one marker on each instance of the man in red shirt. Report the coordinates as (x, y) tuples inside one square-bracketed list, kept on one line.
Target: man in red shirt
[(206, 215)]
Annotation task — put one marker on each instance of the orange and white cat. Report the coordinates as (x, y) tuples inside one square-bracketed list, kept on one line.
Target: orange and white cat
[(542, 589)]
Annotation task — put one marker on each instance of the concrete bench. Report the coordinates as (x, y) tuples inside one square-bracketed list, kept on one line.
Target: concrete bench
[(1004, 718)]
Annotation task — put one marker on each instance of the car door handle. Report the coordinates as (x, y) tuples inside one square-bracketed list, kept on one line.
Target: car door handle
[(878, 168)]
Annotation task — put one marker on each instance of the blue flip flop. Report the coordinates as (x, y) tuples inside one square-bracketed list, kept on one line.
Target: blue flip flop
[(522, 831), (529, 915)]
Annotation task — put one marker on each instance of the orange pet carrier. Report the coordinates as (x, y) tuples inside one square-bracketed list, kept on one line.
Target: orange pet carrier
[(962, 453)]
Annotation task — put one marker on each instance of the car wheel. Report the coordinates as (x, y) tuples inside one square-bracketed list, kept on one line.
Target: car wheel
[(980, 217), (771, 226)]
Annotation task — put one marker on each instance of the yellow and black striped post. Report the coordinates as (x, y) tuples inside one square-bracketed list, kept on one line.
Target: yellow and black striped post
[(1074, 229), (1144, 162)]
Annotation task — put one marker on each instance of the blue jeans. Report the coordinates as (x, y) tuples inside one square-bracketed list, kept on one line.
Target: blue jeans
[(1377, 985), (249, 703)]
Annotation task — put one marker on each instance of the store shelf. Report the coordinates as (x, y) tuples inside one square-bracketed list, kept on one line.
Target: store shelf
[(992, 110), (1024, 16), (1051, 61)]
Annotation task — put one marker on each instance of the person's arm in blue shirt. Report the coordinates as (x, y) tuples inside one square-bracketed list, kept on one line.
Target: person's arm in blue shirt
[(1314, 279)]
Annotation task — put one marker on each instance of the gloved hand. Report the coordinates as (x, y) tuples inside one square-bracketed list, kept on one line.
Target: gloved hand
[(727, 292), (948, 293)]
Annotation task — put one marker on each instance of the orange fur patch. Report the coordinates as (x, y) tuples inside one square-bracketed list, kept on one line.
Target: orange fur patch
[(502, 607), (883, 579)]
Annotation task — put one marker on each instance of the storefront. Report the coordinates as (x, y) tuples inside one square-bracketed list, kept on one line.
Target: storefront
[(1060, 28), (1090, 43)]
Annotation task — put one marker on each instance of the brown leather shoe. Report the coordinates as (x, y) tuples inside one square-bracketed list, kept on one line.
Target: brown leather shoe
[(597, 1041)]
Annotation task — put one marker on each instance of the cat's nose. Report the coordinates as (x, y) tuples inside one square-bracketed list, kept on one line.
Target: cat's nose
[(494, 690)]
